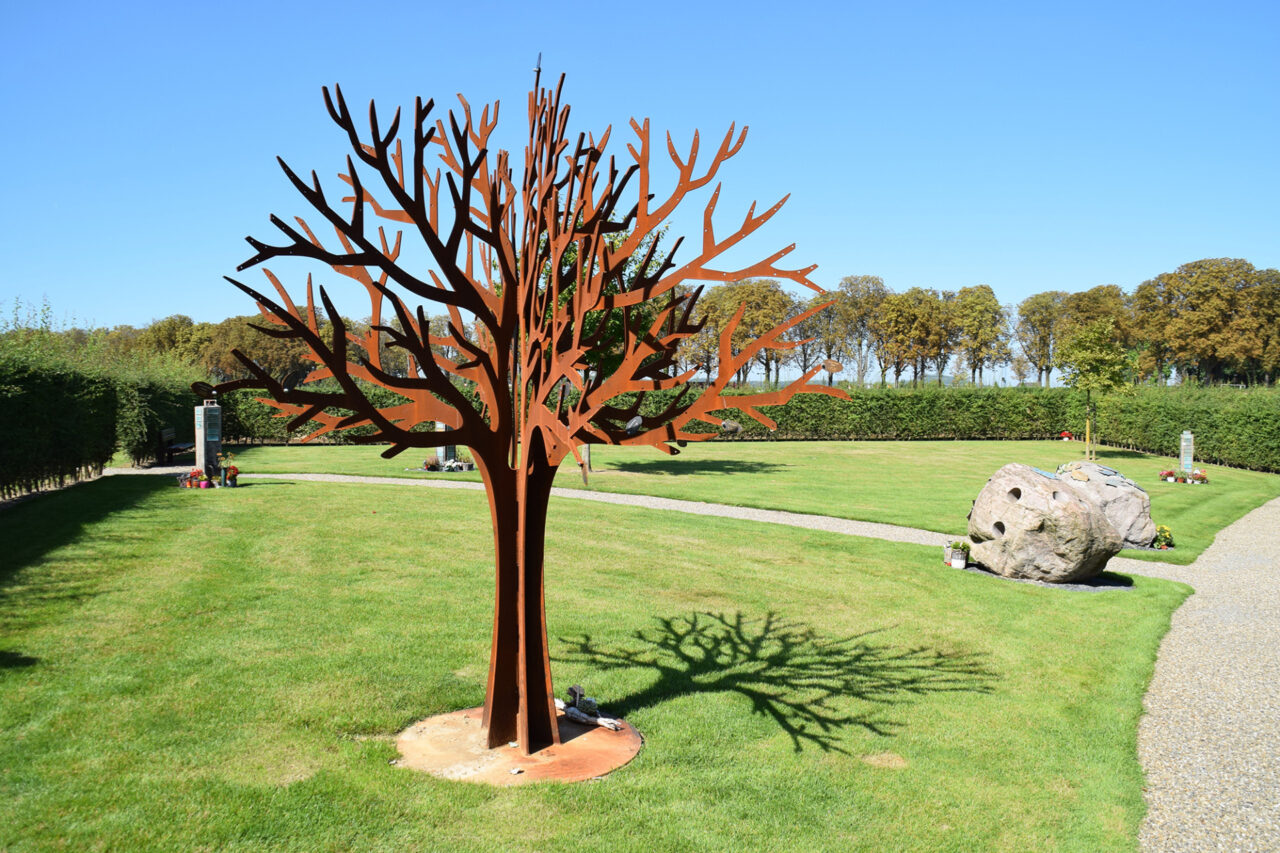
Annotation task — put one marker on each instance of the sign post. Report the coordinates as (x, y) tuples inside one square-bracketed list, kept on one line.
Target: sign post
[(1188, 450), (208, 436)]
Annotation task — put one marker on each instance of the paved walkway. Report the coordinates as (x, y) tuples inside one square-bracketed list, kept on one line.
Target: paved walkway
[(1210, 739)]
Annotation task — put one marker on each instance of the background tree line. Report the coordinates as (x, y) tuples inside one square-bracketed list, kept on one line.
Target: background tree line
[(71, 396), (1212, 321)]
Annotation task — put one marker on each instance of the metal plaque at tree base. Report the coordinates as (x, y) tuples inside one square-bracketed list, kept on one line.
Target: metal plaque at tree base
[(564, 311)]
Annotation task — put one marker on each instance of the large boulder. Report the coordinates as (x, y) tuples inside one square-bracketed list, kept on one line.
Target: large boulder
[(1123, 501), (1028, 523)]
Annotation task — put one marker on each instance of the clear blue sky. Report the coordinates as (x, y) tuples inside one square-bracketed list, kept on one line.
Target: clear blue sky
[(1022, 145)]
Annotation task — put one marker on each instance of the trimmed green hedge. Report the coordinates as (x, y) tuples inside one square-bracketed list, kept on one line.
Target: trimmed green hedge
[(147, 406), (1232, 427), (56, 424), (927, 413), (60, 423)]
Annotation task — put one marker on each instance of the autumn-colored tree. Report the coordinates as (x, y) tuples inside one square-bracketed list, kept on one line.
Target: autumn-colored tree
[(1206, 295), (1264, 307), (527, 268), (1020, 367), (808, 349), (938, 330), (859, 295), (765, 306), (924, 330), (1214, 320), (277, 356), (1087, 307), (892, 334), (1249, 350), (983, 330), (1152, 309), (1038, 329), (700, 351)]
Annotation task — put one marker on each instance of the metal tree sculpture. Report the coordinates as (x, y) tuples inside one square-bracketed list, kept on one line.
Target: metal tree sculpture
[(540, 280)]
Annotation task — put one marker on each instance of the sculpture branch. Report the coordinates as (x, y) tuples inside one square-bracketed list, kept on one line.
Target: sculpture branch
[(565, 309)]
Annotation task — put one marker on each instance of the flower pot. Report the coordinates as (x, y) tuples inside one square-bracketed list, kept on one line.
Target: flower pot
[(958, 562), (1171, 479), (204, 484)]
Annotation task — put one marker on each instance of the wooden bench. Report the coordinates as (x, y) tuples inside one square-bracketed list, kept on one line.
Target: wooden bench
[(166, 447)]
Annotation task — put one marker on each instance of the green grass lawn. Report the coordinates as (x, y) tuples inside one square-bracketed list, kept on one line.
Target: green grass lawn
[(226, 670), (925, 484)]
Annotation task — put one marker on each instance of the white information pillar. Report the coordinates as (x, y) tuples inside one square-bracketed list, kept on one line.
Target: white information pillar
[(208, 436), (1188, 450)]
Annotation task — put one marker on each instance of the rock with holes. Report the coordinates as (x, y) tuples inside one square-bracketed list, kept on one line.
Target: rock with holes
[(1123, 501), (1028, 523)]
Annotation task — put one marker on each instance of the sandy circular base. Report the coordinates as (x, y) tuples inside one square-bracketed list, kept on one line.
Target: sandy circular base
[(452, 746)]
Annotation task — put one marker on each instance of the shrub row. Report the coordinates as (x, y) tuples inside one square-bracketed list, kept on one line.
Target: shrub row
[(923, 414), (1236, 427), (1232, 427), (60, 423)]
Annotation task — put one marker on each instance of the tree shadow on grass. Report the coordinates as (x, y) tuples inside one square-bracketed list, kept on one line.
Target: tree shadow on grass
[(807, 683), (694, 466), (16, 660), (35, 527)]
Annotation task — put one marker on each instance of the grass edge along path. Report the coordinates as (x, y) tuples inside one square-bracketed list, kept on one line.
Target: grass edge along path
[(928, 485), (226, 669)]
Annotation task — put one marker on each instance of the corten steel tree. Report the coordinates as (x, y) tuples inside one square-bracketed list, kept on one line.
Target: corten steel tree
[(540, 280)]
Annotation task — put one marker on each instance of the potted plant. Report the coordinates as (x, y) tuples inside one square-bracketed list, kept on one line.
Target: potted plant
[(1198, 476), (1164, 538), (229, 472), (956, 554), (1168, 476)]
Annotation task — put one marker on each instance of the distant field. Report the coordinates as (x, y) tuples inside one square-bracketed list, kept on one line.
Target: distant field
[(226, 670), (925, 484)]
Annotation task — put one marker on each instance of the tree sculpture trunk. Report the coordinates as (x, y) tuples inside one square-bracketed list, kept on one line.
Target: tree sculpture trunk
[(519, 702)]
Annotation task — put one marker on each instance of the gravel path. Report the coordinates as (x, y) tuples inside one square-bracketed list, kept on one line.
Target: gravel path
[(1210, 738)]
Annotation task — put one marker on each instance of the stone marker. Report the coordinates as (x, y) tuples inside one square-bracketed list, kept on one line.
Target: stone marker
[(1028, 523), (1123, 501)]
